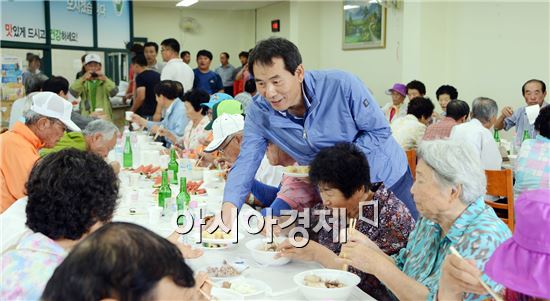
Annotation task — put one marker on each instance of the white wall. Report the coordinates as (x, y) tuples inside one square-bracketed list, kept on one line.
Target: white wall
[(219, 30), (264, 16), (483, 48)]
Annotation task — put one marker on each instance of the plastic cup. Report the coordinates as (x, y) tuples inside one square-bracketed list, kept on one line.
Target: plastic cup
[(133, 179), (128, 115), (154, 214)]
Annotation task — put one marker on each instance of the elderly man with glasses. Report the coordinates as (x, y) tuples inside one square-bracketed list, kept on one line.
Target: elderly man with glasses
[(45, 123), (227, 131)]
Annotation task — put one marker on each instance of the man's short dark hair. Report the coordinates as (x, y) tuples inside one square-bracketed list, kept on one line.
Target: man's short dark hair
[(226, 54), (343, 167), (139, 59), (172, 44), (543, 85), (134, 47), (120, 260), (243, 53), (266, 50), (195, 97), (447, 89), (68, 192), (457, 109), (542, 123), (168, 89), (152, 44), (185, 52), (420, 107), (417, 85), (250, 86), (56, 84), (204, 52)]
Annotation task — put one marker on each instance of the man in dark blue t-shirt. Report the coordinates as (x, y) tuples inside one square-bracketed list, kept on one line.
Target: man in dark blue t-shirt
[(205, 79), (145, 102)]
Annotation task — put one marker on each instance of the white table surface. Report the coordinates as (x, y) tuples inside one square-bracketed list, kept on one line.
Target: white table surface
[(278, 278)]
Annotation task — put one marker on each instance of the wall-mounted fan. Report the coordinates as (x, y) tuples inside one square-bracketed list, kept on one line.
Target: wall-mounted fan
[(189, 24)]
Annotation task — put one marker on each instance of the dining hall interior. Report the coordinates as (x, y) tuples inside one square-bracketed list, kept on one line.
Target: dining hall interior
[(275, 150)]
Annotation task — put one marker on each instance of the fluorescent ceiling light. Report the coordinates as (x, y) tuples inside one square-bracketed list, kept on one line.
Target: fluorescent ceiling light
[(187, 3), (346, 7)]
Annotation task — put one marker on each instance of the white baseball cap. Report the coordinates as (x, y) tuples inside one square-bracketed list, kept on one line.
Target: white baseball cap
[(52, 105), (92, 57), (223, 127)]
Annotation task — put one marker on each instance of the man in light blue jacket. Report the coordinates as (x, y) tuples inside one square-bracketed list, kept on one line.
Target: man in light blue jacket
[(303, 112)]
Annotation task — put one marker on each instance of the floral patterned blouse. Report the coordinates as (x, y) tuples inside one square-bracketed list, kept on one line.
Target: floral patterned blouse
[(395, 223), (475, 234), (196, 136), (27, 268)]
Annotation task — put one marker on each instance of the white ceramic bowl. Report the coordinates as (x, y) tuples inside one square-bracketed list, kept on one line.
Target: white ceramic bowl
[(265, 257), (225, 294), (258, 288), (349, 280)]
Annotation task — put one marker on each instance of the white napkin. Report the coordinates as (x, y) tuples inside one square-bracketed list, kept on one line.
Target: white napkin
[(532, 113)]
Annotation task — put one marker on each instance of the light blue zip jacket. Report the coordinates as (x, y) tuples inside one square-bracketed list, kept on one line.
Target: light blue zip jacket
[(341, 109), (175, 120)]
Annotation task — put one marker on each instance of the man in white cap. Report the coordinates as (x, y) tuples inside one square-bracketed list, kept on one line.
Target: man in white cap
[(45, 123), (227, 131), (94, 88)]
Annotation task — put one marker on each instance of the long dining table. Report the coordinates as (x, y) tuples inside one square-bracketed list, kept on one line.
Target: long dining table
[(136, 199)]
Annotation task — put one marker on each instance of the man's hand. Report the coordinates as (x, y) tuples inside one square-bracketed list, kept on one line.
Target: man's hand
[(226, 215), (507, 111)]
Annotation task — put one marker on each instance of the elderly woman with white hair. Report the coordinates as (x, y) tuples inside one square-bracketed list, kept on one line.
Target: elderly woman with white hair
[(448, 192)]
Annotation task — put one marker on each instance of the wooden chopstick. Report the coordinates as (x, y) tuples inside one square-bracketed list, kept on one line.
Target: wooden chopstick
[(208, 297), (485, 286), (352, 222), (198, 161), (157, 133)]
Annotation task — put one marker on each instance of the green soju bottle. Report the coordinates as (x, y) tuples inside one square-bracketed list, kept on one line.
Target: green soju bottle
[(526, 135), (164, 191), (496, 136), (173, 167), (182, 201), (127, 155)]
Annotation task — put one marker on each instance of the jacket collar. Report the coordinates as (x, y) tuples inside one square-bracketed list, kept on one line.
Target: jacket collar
[(24, 131)]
